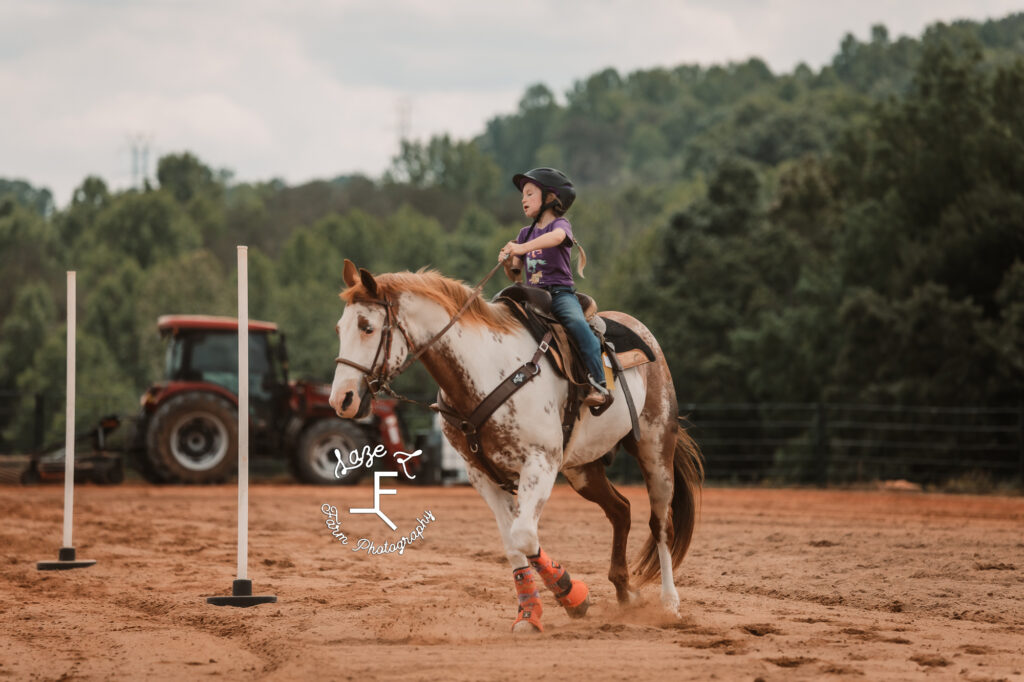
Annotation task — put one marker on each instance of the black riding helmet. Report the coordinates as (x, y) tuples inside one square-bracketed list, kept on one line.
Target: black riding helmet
[(549, 180)]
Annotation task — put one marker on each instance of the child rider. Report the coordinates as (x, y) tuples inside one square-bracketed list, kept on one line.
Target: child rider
[(547, 195)]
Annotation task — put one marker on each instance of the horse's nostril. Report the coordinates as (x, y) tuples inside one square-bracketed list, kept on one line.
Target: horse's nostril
[(347, 401)]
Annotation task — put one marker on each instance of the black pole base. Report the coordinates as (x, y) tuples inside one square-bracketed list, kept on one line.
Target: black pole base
[(242, 596), (65, 560)]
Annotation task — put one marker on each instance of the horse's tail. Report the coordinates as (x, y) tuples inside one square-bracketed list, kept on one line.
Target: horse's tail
[(688, 468)]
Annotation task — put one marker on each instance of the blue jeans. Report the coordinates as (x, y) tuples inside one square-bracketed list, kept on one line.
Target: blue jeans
[(566, 308)]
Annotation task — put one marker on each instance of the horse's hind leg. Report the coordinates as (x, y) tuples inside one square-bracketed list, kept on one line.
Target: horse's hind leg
[(654, 453), (591, 482)]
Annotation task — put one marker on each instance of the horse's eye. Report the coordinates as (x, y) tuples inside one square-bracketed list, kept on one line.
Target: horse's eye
[(366, 329)]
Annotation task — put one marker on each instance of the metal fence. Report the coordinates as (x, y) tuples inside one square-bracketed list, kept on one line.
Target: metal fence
[(822, 443), (804, 443)]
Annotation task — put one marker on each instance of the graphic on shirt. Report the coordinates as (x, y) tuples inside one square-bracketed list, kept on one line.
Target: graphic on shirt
[(531, 267)]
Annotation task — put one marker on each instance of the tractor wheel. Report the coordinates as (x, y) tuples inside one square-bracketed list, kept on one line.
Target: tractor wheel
[(315, 461), (193, 438)]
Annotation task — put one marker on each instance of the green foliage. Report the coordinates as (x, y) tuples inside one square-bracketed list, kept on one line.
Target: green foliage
[(24, 330), (853, 233), (459, 167), (28, 251), (185, 177), (147, 227), (877, 274), (192, 283), (1007, 335), (925, 349), (110, 316), (102, 386), (39, 200)]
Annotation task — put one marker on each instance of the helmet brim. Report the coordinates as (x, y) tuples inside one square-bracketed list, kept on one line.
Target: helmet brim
[(519, 180)]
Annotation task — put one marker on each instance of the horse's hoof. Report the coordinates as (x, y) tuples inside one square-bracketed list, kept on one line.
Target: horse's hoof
[(631, 599), (671, 605), (577, 601), (525, 628), (580, 609)]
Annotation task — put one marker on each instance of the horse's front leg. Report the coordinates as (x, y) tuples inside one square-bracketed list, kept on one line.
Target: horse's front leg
[(536, 479), (503, 506)]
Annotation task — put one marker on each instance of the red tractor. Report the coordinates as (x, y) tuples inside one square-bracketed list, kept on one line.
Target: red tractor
[(188, 429)]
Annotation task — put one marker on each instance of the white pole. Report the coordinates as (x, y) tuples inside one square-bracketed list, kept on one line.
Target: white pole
[(69, 424), (243, 411)]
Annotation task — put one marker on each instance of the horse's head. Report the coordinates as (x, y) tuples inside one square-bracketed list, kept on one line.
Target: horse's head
[(369, 352)]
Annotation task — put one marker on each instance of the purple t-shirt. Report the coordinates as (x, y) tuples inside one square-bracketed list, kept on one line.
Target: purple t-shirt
[(548, 267)]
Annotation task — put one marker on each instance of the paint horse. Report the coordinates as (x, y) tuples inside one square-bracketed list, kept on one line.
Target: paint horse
[(469, 346)]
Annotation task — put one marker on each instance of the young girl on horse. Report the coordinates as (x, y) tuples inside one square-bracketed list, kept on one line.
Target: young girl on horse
[(545, 244)]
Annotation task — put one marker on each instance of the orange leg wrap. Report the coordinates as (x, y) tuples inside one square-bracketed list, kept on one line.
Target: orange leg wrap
[(569, 593), (530, 609)]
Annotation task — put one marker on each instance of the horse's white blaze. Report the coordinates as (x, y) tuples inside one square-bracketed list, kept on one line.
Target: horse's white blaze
[(360, 347)]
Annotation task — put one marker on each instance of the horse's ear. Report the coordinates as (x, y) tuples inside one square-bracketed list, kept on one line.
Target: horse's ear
[(349, 275), (368, 281)]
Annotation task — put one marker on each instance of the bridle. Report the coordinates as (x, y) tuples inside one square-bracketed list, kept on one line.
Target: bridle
[(377, 377)]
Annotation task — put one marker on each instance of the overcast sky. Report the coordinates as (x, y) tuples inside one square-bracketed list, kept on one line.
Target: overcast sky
[(313, 88)]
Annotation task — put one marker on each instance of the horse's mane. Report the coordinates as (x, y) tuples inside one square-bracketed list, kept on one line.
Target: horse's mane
[(449, 293)]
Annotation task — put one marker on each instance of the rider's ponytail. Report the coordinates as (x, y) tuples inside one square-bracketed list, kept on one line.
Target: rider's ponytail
[(581, 262)]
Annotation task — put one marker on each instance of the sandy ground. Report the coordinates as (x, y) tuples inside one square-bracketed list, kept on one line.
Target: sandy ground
[(779, 585)]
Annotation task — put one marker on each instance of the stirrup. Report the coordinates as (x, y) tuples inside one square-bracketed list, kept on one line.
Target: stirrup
[(597, 407)]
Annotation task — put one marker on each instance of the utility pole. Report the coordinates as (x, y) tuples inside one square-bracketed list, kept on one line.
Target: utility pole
[(404, 109), (139, 143)]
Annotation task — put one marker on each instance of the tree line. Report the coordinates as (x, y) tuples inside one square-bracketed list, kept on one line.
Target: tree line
[(850, 234)]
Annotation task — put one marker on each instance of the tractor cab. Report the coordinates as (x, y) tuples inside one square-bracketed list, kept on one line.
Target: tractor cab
[(203, 349)]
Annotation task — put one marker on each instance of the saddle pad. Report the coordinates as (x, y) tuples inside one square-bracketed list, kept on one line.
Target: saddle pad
[(628, 345)]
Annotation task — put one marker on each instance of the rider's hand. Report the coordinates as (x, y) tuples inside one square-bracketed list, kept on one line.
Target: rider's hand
[(510, 249)]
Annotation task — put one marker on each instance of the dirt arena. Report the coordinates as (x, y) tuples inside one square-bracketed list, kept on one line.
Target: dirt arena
[(778, 585)]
